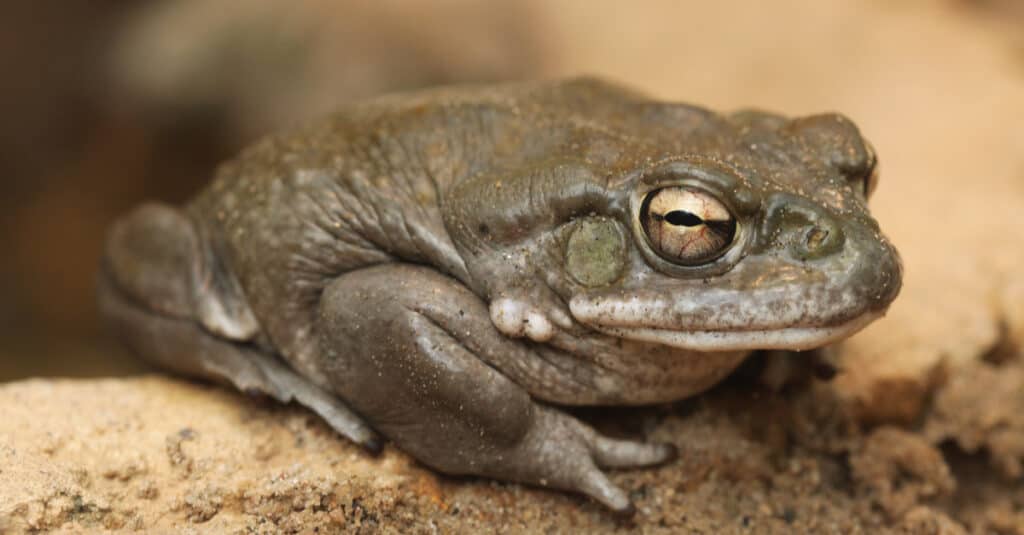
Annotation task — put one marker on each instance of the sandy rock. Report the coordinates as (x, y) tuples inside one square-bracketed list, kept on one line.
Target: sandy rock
[(160, 454), (926, 521), (154, 453), (982, 407), (897, 470)]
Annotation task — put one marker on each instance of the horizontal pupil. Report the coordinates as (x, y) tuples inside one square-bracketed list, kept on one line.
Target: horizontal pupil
[(684, 218)]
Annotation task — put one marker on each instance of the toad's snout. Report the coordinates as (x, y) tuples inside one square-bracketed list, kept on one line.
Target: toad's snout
[(850, 252)]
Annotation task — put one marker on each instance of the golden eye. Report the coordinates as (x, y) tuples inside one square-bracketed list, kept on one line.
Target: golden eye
[(686, 225)]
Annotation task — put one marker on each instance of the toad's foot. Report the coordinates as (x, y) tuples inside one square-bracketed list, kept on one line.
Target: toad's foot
[(562, 452)]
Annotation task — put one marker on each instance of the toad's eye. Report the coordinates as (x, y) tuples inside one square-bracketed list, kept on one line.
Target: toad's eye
[(687, 226)]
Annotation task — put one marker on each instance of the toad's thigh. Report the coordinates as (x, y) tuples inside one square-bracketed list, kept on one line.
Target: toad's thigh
[(394, 344)]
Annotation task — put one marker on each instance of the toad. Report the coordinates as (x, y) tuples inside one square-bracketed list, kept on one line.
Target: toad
[(450, 268)]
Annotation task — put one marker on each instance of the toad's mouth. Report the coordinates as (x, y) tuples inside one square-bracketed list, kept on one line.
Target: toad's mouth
[(791, 338)]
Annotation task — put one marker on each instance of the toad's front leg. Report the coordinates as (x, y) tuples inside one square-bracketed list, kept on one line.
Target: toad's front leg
[(402, 344)]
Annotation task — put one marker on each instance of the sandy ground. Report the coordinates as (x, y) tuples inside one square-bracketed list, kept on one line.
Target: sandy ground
[(157, 454), (922, 432)]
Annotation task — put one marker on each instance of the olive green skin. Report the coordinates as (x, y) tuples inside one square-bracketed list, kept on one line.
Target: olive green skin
[(443, 267)]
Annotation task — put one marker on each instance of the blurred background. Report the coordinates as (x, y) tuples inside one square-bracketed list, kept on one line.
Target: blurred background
[(109, 103)]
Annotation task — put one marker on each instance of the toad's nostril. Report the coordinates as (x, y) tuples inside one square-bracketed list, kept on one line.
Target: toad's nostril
[(814, 238), (819, 240)]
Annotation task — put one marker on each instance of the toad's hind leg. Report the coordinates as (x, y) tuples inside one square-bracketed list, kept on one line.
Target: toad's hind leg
[(143, 294), (409, 349)]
